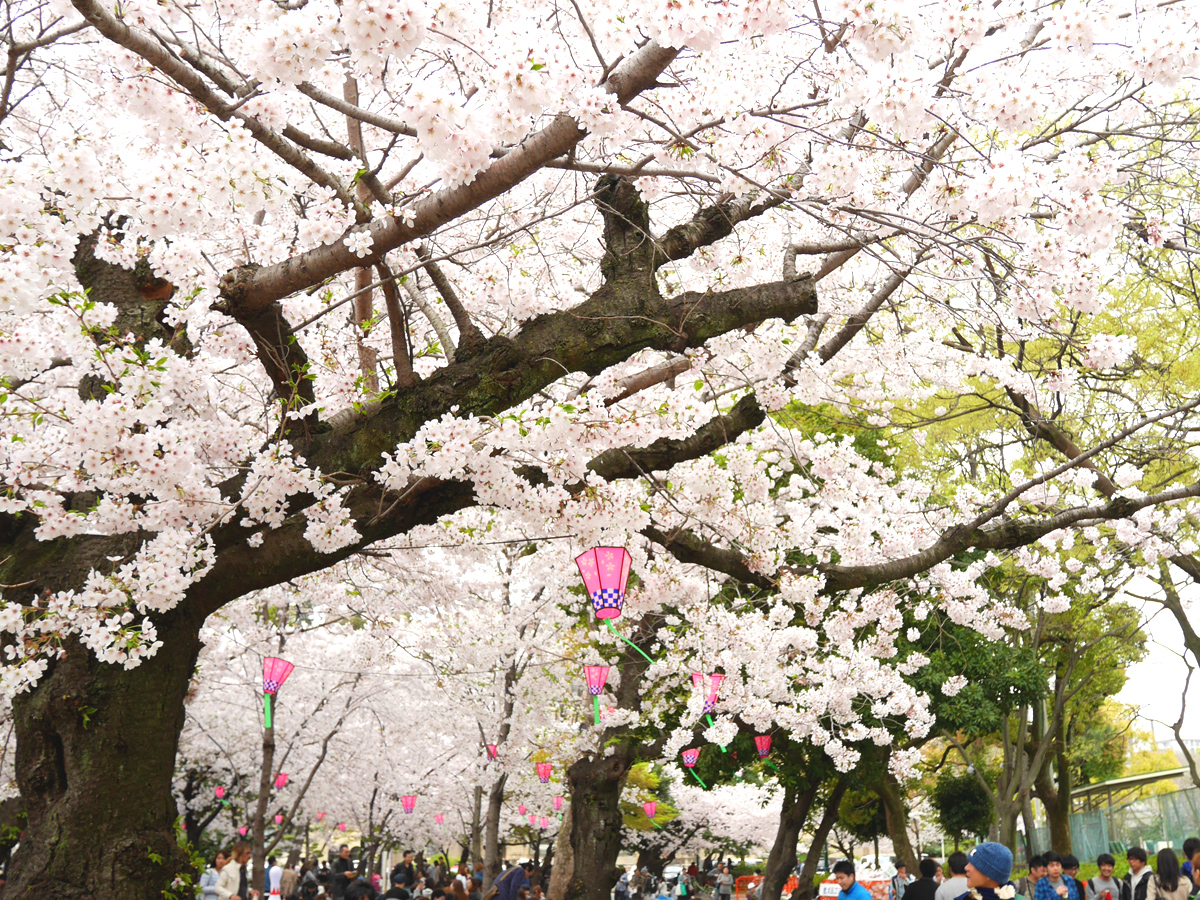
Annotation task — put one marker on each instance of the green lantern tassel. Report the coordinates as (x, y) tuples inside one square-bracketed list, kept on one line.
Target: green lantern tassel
[(596, 707), (697, 777), (627, 640), (267, 709)]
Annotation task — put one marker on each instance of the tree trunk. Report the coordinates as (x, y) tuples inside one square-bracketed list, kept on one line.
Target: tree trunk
[(596, 822), (889, 793), (1057, 799), (491, 858), (812, 859), (565, 855), (782, 858), (91, 736), (258, 824), (477, 824)]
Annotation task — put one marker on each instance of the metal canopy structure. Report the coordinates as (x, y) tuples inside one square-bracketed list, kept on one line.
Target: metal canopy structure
[(1116, 791)]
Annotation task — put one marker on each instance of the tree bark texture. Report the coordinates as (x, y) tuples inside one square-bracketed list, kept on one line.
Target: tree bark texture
[(781, 860), (95, 761), (897, 819), (596, 822), (564, 855)]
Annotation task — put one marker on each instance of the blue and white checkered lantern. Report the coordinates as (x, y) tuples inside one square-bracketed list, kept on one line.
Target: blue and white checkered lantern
[(605, 572)]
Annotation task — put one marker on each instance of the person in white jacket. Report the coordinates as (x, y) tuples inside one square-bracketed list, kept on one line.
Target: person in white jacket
[(233, 883)]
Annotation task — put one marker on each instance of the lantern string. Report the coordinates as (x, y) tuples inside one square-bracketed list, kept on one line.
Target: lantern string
[(697, 777), (627, 640)]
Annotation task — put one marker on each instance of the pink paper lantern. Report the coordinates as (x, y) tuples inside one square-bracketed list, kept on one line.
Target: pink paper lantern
[(320, 816), (532, 819), (493, 751), (183, 825), (714, 686), (220, 792), (544, 823), (763, 743), (409, 802), (275, 673), (341, 826), (543, 772), (521, 810), (690, 756), (558, 801), (278, 819), (650, 807), (605, 572), (439, 818), (242, 831), (281, 779), (597, 677)]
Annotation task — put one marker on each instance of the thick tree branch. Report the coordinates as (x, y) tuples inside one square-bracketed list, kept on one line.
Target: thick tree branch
[(248, 287)]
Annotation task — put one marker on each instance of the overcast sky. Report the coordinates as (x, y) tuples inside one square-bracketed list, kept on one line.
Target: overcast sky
[(1155, 684)]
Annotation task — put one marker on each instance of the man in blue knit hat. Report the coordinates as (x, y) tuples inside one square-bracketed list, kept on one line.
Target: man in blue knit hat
[(988, 869)]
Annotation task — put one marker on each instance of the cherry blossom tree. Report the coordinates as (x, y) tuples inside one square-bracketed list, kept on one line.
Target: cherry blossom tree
[(628, 257)]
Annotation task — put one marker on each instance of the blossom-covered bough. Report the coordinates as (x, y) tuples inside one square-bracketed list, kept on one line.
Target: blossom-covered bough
[(282, 281)]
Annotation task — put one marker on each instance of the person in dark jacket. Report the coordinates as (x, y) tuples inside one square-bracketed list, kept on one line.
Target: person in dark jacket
[(924, 887), (511, 882), (1137, 879)]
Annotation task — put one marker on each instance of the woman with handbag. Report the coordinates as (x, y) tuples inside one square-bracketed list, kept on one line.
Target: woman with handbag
[(1168, 882)]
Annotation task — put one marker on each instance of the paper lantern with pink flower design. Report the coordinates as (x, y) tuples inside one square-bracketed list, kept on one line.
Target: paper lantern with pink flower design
[(558, 802), (439, 818), (605, 572), (409, 802), (690, 756), (278, 818), (320, 816), (543, 823), (281, 780), (532, 819), (341, 826), (763, 743), (650, 807), (220, 792), (275, 673), (242, 831), (521, 810), (543, 771), (493, 751), (709, 690)]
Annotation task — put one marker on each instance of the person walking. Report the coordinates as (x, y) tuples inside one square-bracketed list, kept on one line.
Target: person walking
[(1168, 882), (234, 881), (208, 881), (511, 882), (1037, 871), (1135, 882), (925, 887), (957, 882), (1056, 885), (1104, 886), (850, 889), (725, 884), (342, 873), (989, 867)]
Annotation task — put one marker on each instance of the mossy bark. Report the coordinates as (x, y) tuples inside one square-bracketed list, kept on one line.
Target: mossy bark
[(95, 759)]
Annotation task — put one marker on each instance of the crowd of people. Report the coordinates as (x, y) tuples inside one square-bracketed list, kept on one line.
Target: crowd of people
[(228, 878), (1050, 877), (983, 874)]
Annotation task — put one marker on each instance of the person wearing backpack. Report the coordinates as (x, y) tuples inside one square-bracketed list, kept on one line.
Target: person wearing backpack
[(1104, 883), (1136, 880)]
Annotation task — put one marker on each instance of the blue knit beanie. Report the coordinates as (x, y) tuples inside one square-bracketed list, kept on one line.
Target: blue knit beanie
[(993, 860)]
